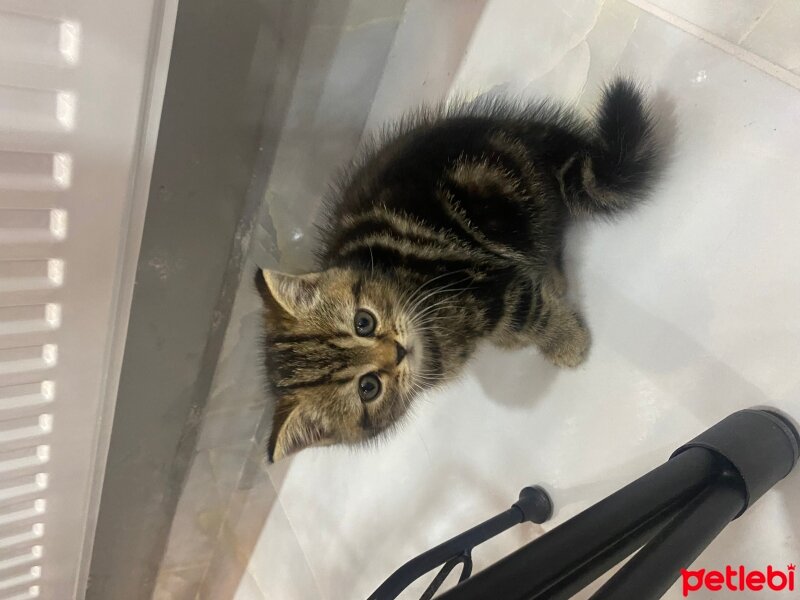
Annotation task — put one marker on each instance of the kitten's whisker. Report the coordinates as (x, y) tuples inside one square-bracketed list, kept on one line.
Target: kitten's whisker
[(434, 319), (430, 294), (429, 308), (431, 280), (422, 327), (445, 302), (414, 298), (424, 316), (371, 262)]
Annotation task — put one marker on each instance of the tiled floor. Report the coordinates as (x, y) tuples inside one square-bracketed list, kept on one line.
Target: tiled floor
[(692, 300)]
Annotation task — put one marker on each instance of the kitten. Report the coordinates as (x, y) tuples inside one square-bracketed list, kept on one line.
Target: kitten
[(446, 233)]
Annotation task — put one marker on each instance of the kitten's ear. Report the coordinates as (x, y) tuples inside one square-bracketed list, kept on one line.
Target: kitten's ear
[(292, 431), (292, 294)]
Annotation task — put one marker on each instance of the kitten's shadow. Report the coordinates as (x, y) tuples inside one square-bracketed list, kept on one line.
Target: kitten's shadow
[(513, 378)]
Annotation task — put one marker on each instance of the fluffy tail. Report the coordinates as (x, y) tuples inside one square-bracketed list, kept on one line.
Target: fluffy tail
[(620, 163)]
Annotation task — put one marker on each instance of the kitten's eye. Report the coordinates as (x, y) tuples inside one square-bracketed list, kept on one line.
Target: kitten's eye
[(364, 322), (369, 386)]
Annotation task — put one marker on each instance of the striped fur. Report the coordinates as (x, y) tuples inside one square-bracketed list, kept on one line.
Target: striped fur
[(449, 231)]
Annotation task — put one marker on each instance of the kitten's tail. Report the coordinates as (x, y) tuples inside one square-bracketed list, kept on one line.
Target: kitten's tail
[(620, 164)]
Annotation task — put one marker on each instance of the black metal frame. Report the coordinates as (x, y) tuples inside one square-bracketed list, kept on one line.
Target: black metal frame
[(533, 505), (670, 515)]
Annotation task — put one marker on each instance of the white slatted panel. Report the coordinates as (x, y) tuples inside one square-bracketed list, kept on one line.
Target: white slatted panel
[(72, 85)]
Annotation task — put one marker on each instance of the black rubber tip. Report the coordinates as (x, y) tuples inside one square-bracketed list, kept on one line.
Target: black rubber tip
[(535, 504), (761, 444), (789, 428)]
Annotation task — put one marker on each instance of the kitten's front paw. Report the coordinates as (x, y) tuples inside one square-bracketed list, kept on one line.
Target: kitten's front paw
[(569, 345)]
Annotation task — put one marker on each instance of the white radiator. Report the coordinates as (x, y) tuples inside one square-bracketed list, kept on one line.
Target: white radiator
[(75, 151)]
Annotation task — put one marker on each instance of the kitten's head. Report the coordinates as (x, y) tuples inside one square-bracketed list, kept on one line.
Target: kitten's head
[(343, 357)]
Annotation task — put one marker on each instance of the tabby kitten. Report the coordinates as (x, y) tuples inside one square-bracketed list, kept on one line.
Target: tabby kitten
[(447, 232)]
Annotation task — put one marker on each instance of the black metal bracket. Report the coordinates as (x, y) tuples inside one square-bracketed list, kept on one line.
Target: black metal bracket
[(533, 505), (669, 515)]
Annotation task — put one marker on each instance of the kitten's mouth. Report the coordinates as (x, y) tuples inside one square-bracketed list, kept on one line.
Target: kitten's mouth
[(400, 351)]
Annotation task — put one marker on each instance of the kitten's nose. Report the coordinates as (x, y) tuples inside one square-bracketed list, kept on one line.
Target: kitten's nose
[(401, 352)]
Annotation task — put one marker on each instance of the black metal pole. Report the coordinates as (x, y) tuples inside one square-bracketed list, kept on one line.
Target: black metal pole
[(654, 569), (572, 555), (569, 585)]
